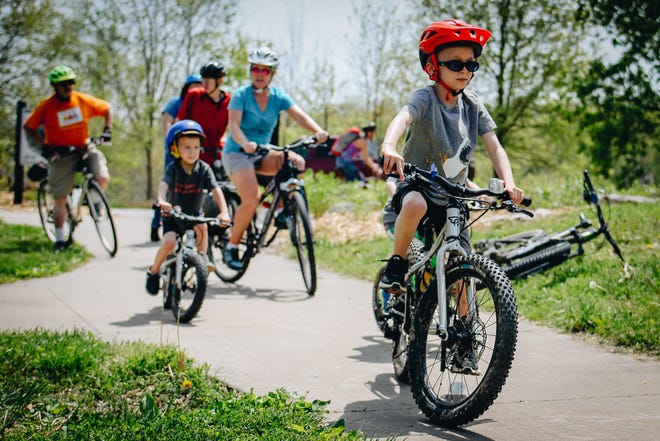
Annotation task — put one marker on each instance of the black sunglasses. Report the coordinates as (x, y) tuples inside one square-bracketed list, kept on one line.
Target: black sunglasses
[(67, 83), (457, 65)]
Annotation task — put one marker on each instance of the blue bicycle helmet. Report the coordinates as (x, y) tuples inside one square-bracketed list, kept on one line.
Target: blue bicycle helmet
[(180, 128), (193, 78)]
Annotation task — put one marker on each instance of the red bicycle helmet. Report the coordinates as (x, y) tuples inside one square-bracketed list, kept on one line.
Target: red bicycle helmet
[(441, 34)]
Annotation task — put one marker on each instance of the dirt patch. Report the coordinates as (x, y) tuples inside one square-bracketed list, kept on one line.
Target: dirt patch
[(338, 228)]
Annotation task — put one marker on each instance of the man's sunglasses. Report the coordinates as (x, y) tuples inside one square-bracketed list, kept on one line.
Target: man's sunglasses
[(457, 65), (263, 70), (67, 83)]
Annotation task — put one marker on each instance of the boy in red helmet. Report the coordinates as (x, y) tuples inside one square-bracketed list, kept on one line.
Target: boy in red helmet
[(443, 121)]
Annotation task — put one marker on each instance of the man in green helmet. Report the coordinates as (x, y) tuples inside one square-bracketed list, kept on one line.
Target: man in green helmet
[(64, 117)]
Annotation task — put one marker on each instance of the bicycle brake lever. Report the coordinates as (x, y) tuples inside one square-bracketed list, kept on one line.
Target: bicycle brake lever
[(513, 208)]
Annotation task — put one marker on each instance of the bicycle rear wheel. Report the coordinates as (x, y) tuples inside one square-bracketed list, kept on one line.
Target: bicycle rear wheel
[(218, 240), (99, 210), (187, 300), (46, 204), (441, 386), (302, 237)]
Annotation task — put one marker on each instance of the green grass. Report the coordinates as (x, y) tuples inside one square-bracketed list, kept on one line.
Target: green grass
[(28, 253), (73, 386)]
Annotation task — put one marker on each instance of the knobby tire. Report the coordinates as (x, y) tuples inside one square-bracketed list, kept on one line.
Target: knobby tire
[(539, 261), (453, 399)]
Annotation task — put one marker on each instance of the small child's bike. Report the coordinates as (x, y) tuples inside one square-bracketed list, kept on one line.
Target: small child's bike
[(454, 329), (183, 274)]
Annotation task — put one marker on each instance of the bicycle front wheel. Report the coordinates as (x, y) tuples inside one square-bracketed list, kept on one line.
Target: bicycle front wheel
[(187, 299), (218, 240), (455, 380), (99, 210), (302, 237), (46, 204)]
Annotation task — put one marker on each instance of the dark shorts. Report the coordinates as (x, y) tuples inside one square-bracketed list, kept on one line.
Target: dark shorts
[(435, 213)]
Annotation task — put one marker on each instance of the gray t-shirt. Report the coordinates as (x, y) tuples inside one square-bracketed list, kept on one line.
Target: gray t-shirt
[(446, 137)]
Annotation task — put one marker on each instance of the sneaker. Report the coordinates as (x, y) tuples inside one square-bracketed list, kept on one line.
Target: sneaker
[(155, 237), (393, 277), (464, 364), (153, 283), (62, 244), (230, 257), (280, 221)]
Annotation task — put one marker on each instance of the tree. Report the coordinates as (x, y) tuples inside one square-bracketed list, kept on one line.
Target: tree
[(33, 33), (383, 53), (620, 105), (526, 61), (136, 49)]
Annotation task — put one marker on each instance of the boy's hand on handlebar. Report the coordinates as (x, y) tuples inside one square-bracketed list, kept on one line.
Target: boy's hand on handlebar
[(516, 194), (393, 162), (165, 208)]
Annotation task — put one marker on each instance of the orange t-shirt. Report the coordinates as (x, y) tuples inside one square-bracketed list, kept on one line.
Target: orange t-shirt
[(65, 122)]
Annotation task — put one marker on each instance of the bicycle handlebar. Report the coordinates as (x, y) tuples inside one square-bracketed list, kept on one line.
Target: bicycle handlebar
[(307, 142), (454, 189), (178, 214)]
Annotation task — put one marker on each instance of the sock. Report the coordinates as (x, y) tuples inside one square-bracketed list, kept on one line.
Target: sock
[(231, 246), (59, 234)]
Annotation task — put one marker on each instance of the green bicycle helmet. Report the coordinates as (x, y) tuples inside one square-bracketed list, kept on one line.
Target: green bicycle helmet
[(61, 73)]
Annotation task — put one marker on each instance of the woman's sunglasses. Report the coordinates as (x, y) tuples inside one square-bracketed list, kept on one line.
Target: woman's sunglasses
[(457, 65), (263, 70)]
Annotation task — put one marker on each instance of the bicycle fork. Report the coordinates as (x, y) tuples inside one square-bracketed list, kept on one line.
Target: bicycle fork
[(448, 241)]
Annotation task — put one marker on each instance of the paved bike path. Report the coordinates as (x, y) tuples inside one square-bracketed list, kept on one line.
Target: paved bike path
[(265, 332)]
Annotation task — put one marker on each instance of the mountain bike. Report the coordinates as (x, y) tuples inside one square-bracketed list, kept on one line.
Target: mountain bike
[(286, 192), (183, 274), (88, 193), (531, 252), (455, 305)]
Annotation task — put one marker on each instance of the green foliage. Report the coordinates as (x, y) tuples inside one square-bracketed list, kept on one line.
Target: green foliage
[(28, 253), (325, 191), (73, 386), (620, 101)]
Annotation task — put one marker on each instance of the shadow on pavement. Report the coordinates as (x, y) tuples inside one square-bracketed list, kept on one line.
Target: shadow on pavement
[(394, 414), (249, 293)]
